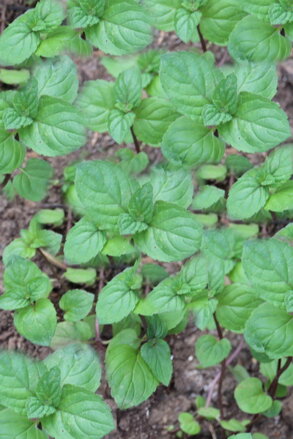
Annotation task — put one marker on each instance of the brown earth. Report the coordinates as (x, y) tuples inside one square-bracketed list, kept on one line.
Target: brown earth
[(151, 419)]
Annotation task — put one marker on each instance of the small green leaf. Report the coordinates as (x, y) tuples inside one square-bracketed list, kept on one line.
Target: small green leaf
[(76, 304), (53, 217), (119, 124), (209, 412), (33, 181), (37, 322), (207, 197), (48, 389), (128, 88), (251, 398), (282, 199), (85, 276), (213, 117), (156, 353), (186, 23), (234, 425), (211, 351), (188, 424), (36, 409)]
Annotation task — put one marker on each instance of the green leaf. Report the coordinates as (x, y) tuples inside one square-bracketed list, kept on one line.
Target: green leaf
[(233, 425), (186, 23), (12, 77), (81, 414), (18, 42), (57, 78), (247, 196), (62, 39), (268, 265), (164, 297), (131, 162), (207, 197), (279, 163), (19, 377), (141, 205), (76, 304), (212, 116), (79, 365), (269, 370), (95, 101), (24, 283), (174, 186), (128, 88), (124, 28), (238, 164), (209, 412), (154, 273), (254, 40), (153, 117), (71, 332), (86, 276), (118, 246), (219, 19), (280, 14), (257, 126), (36, 409), (119, 125), (188, 424), (210, 351), (119, 297), (12, 153), (156, 353), (225, 95), (104, 190), (251, 398), (173, 234), (259, 8), (162, 13), (190, 144), (189, 80), (260, 78), (129, 377), (48, 389), (129, 226), (57, 129), (33, 181), (48, 14), (84, 13), (83, 242), (269, 330), (13, 121), (15, 426), (236, 303), (282, 199), (37, 322), (52, 217)]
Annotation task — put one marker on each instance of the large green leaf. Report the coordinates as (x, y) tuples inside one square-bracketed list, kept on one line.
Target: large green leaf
[(95, 101), (173, 234), (124, 28), (190, 144), (268, 265), (19, 378), (254, 40), (156, 353), (57, 129), (79, 365), (83, 242), (236, 303), (189, 80), (12, 153), (257, 126), (15, 426), (81, 415), (37, 322), (251, 398), (153, 117), (219, 19), (104, 190), (269, 330), (57, 78), (258, 78), (129, 377), (247, 196), (33, 181)]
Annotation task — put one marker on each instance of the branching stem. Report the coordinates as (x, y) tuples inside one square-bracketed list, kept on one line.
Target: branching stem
[(223, 370), (135, 141)]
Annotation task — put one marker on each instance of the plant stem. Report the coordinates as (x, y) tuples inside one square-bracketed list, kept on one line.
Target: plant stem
[(135, 141), (272, 390), (5, 181), (223, 370), (202, 40), (54, 261)]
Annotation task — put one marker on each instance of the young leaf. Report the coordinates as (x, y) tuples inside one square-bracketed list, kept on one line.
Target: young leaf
[(156, 353), (188, 424), (37, 322), (186, 23), (85, 13), (33, 181), (119, 125), (119, 297), (124, 28), (81, 414), (83, 242), (19, 377), (173, 234), (269, 330), (104, 190), (190, 144), (57, 129), (36, 409), (79, 365), (57, 78), (257, 126), (152, 119), (128, 88), (251, 398), (255, 40), (207, 197), (86, 276), (76, 304), (210, 351), (268, 265), (134, 382), (48, 389)]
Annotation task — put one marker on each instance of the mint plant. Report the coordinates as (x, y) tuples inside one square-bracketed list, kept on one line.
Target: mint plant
[(142, 247)]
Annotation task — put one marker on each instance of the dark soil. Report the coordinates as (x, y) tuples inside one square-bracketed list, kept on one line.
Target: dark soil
[(151, 419)]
